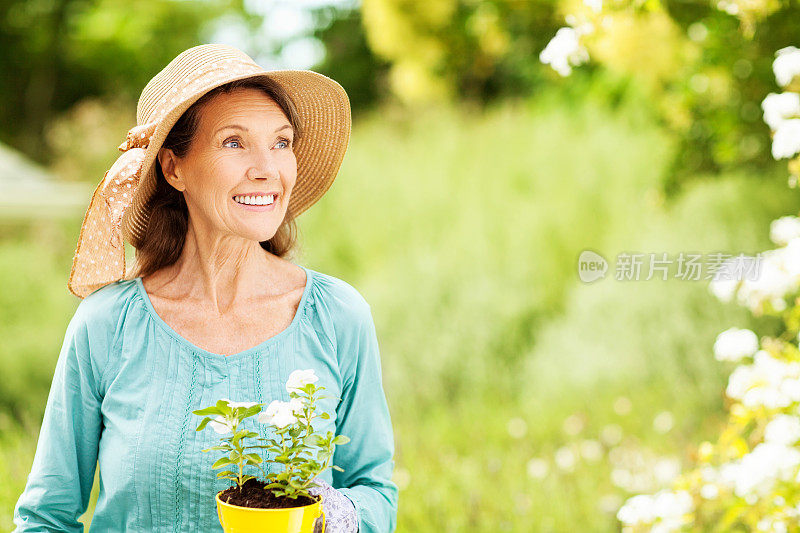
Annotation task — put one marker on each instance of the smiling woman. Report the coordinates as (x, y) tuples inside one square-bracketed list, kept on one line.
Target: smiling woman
[(169, 216), (223, 159)]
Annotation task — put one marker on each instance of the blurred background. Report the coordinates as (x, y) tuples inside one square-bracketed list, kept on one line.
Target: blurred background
[(522, 399)]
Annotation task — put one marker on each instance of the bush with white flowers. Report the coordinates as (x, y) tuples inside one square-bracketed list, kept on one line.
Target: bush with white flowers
[(749, 479), (294, 446)]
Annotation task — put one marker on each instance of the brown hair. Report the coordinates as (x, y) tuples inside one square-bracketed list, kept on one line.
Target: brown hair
[(168, 222)]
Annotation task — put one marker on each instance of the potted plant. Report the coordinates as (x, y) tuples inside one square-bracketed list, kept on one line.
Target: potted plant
[(281, 502)]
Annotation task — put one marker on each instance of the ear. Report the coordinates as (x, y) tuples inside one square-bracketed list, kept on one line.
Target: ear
[(168, 162)]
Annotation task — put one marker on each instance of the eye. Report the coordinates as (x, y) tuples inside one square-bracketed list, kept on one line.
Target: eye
[(287, 142), (232, 140)]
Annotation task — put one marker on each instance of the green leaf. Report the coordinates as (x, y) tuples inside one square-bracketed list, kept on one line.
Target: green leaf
[(239, 436), (341, 439), (226, 473), (208, 411), (250, 411), (325, 416), (221, 462), (224, 408), (254, 457), (337, 468), (203, 424)]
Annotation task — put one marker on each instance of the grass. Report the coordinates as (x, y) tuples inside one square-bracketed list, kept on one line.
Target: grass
[(522, 399)]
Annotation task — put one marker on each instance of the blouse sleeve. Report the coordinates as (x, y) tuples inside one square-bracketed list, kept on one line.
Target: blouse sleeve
[(60, 482), (363, 416)]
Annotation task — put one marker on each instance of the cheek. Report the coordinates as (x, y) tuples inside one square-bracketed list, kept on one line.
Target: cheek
[(289, 170), (215, 176)]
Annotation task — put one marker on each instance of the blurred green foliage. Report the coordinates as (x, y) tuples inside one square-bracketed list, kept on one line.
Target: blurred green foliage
[(706, 70), (62, 51)]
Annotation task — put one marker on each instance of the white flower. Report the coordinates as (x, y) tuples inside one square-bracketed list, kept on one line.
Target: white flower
[(755, 474), (221, 425), (733, 344), (564, 51), (786, 65), (723, 288), (709, 491), (778, 274), (784, 229), (764, 383), (780, 107), (234, 405), (668, 506), (281, 414), (637, 510), (783, 429), (596, 5), (299, 379), (786, 141)]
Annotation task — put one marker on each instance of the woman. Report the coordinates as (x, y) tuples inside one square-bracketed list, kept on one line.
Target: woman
[(225, 156)]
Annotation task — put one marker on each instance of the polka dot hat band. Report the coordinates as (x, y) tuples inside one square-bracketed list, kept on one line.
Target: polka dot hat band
[(118, 209)]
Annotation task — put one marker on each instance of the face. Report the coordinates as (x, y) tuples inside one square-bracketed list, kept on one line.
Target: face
[(244, 146)]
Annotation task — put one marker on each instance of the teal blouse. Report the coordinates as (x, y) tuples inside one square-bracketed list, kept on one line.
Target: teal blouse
[(122, 397)]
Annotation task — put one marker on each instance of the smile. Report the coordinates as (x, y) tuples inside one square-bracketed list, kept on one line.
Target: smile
[(255, 200), (256, 203)]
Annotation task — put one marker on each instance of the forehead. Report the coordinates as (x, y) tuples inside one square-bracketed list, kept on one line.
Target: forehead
[(244, 106)]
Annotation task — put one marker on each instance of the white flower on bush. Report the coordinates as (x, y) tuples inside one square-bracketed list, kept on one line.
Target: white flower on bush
[(778, 276), (755, 474), (596, 5), (772, 524), (564, 51), (281, 414), (299, 379), (786, 141), (768, 382), (220, 424), (234, 405), (784, 229), (783, 429), (786, 65), (780, 107), (733, 344), (666, 510), (724, 288)]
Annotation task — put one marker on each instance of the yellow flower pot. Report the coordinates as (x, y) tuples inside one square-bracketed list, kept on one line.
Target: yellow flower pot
[(238, 519)]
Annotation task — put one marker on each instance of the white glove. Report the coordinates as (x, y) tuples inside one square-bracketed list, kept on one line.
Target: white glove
[(340, 513)]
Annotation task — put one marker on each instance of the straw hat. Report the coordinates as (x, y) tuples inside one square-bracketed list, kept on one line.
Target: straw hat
[(118, 209)]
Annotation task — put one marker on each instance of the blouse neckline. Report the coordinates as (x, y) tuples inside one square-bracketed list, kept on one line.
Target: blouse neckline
[(257, 348)]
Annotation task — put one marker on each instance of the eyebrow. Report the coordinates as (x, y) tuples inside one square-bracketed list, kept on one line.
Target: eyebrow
[(238, 127)]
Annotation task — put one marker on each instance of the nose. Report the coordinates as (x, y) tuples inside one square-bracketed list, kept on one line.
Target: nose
[(263, 165)]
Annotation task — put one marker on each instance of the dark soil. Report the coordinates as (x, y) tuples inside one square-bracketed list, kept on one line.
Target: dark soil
[(254, 495)]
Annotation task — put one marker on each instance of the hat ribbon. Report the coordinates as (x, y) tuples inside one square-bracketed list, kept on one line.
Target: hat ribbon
[(121, 180)]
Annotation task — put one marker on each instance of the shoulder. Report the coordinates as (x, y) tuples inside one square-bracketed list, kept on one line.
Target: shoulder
[(103, 308), (339, 304), (339, 293)]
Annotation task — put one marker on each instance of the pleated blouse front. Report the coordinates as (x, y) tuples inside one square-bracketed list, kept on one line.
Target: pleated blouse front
[(126, 384)]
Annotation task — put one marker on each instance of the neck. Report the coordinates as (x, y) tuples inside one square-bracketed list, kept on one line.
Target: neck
[(221, 269)]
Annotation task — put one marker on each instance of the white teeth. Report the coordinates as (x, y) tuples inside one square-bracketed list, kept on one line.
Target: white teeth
[(255, 200)]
